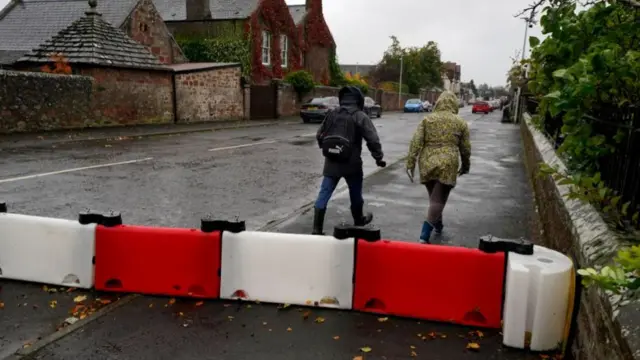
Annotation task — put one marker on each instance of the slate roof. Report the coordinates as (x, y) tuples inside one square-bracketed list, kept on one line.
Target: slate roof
[(176, 10), (297, 13), (26, 24), (92, 40)]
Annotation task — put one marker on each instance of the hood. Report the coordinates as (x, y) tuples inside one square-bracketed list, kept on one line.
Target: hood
[(351, 96), (448, 102)]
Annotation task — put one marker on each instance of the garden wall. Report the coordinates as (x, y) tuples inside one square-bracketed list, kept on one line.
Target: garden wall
[(607, 327)]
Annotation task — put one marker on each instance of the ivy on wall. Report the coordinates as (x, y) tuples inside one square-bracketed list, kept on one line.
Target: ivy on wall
[(336, 74), (229, 49), (273, 16)]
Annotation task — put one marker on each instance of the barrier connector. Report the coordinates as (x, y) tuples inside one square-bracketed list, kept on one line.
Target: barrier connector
[(368, 234), (491, 244), (88, 216), (111, 219), (209, 225), (3, 207)]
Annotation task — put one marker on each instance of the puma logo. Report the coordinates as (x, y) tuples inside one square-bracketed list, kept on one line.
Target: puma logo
[(336, 150)]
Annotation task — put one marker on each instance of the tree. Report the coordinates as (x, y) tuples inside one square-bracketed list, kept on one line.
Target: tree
[(421, 66), (472, 86)]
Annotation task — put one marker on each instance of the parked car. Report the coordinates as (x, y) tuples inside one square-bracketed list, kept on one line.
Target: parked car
[(413, 105), (481, 107), (427, 106), (317, 108), (371, 108)]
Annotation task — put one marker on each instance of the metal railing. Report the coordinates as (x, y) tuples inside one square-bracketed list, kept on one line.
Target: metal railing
[(620, 170)]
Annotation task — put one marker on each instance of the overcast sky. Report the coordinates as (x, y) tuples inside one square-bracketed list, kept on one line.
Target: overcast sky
[(481, 36)]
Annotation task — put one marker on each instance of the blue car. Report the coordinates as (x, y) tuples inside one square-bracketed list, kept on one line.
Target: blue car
[(413, 105)]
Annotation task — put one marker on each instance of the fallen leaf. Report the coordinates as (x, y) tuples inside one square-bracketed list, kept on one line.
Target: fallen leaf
[(248, 306), (53, 304), (358, 358), (1, 305), (414, 354), (80, 298), (365, 349), (413, 347), (284, 306), (289, 329), (444, 336), (306, 315), (264, 323), (150, 305), (180, 314), (70, 289), (199, 303), (383, 319), (172, 301), (230, 318), (26, 345), (473, 346), (104, 301), (319, 320), (336, 337)]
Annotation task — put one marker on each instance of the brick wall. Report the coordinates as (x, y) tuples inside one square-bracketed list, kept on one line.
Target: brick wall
[(145, 25), (209, 95), (129, 97), (606, 329), (38, 101), (316, 62), (289, 104)]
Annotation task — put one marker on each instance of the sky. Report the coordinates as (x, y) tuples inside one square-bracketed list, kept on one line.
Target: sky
[(481, 36)]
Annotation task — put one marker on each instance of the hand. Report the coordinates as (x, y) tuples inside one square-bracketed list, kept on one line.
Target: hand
[(410, 174), (381, 163)]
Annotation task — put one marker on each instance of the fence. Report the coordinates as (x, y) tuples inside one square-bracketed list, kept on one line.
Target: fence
[(620, 171)]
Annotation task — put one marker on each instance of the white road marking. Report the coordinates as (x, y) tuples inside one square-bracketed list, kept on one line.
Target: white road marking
[(243, 145), (27, 177)]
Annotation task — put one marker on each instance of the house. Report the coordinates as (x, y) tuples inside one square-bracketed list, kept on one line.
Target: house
[(451, 73), (282, 38), (23, 25)]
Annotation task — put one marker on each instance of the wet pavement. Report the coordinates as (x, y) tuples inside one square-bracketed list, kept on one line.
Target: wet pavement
[(493, 198)]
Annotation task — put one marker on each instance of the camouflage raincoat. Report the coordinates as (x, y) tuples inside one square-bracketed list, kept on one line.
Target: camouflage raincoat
[(440, 140)]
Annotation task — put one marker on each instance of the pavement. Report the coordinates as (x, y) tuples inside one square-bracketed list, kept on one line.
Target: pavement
[(258, 174)]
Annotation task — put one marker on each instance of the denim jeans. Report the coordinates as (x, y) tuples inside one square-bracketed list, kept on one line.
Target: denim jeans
[(329, 185)]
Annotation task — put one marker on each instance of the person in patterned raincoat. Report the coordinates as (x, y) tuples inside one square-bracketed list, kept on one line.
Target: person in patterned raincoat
[(442, 149)]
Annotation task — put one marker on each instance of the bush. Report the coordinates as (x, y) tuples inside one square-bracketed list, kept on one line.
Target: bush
[(359, 84), (302, 81), (221, 50)]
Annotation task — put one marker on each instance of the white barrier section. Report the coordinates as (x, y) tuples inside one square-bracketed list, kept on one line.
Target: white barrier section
[(537, 292), (287, 268), (46, 250)]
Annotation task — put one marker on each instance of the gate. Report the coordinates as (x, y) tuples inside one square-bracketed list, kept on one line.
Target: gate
[(264, 101)]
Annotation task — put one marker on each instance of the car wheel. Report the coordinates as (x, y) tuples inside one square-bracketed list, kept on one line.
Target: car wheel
[(379, 114)]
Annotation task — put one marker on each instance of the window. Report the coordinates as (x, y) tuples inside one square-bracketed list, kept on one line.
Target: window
[(266, 48), (284, 50)]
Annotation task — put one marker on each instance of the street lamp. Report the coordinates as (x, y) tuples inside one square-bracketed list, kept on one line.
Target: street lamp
[(528, 24), (400, 88)]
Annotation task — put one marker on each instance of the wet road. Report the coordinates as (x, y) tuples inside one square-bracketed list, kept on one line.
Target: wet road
[(260, 182)]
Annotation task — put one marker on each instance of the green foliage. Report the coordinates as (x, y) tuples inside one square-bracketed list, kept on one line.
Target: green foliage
[(359, 84), (230, 49), (302, 81), (624, 275), (589, 64), (420, 66), (336, 75)]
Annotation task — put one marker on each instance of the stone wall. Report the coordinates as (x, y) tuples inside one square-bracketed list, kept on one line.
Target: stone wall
[(39, 101), (607, 328), (145, 25), (130, 97), (209, 94), (289, 103)]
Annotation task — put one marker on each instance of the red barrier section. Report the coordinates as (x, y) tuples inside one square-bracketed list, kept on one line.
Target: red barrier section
[(431, 282), (161, 261)]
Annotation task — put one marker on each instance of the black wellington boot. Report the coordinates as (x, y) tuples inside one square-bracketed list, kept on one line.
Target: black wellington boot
[(318, 221), (359, 217)]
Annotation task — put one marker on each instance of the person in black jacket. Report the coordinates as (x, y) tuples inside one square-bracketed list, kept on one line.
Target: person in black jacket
[(352, 99)]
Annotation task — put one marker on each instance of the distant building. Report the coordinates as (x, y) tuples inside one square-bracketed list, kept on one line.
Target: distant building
[(451, 73), (363, 70)]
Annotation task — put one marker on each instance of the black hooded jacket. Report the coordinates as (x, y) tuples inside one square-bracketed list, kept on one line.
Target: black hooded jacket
[(352, 98)]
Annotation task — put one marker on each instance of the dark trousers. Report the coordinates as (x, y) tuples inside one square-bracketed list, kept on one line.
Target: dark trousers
[(329, 185), (438, 196)]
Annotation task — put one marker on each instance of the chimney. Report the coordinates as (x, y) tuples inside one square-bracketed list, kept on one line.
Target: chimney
[(315, 5), (198, 10)]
